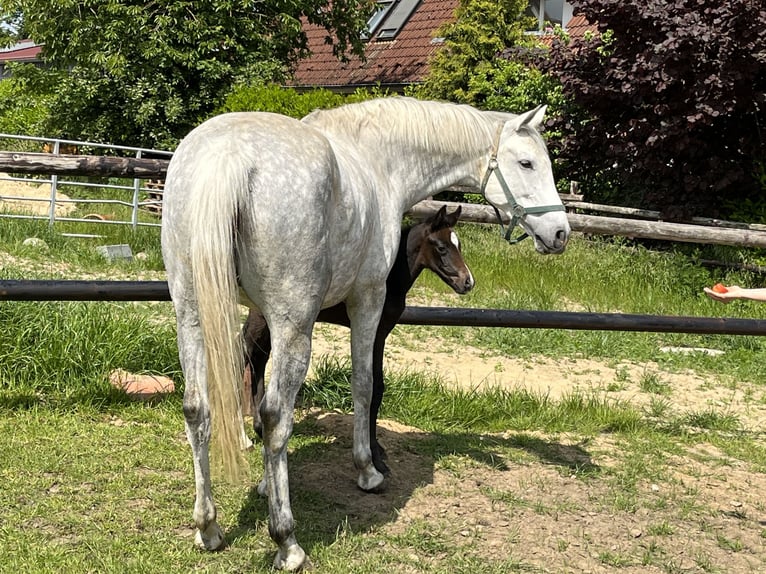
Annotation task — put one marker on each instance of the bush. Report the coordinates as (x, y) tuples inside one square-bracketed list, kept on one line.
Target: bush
[(287, 101), (23, 110), (666, 102)]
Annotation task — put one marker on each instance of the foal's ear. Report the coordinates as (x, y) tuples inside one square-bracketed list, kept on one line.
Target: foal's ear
[(437, 220), (450, 219)]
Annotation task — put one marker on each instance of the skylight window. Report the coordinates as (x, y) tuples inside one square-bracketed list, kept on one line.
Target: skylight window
[(389, 18), (548, 13), (381, 11)]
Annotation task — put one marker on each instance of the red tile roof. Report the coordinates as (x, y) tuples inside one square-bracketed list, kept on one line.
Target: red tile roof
[(24, 51), (390, 63), (576, 28)]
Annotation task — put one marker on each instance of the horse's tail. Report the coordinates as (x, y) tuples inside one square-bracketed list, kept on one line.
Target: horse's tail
[(215, 197)]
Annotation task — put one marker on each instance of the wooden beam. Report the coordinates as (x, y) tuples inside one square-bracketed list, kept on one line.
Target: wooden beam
[(650, 214), (598, 225), (108, 166), (87, 165)]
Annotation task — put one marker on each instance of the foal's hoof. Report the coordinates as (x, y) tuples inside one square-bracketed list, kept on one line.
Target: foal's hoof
[(292, 559), (263, 488), (211, 539), (381, 466), (378, 459)]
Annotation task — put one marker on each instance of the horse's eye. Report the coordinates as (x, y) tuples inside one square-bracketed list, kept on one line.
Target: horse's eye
[(526, 164), (441, 250)]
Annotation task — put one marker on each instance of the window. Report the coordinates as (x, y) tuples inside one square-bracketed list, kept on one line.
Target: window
[(389, 17), (381, 11), (402, 11), (548, 13)]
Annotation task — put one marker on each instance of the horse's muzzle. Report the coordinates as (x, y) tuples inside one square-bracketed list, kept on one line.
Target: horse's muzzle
[(558, 245), (463, 285)]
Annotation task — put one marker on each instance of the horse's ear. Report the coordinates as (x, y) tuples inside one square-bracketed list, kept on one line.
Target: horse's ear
[(450, 219), (437, 219), (532, 118)]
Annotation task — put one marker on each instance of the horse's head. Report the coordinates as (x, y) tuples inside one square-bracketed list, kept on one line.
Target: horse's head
[(519, 182), (438, 249)]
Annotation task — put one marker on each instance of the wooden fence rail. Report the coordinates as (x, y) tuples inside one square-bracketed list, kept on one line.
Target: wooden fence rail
[(599, 225), (712, 232), (56, 290)]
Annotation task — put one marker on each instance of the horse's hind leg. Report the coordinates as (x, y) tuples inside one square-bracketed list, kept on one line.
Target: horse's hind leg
[(290, 360), (197, 415)]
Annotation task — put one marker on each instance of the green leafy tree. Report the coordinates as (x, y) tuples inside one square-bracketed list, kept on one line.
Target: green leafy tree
[(467, 68), (144, 73), (668, 103)]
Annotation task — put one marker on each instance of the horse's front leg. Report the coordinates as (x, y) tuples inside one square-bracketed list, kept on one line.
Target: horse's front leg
[(197, 418), (257, 350), (364, 310)]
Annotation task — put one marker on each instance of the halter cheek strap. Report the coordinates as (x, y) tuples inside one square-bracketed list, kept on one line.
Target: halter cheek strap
[(518, 212)]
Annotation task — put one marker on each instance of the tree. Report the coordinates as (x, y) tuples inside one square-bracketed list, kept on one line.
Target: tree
[(467, 68), (668, 102), (144, 73)]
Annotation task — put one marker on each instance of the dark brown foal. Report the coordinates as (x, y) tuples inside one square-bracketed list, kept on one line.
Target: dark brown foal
[(431, 244)]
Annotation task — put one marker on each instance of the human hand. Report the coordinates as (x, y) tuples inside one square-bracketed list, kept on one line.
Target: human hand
[(732, 292)]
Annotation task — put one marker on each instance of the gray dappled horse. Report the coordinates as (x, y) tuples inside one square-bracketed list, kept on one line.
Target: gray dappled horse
[(291, 217)]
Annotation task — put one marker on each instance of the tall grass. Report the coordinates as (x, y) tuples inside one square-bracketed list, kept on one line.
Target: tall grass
[(65, 351), (423, 401), (50, 346)]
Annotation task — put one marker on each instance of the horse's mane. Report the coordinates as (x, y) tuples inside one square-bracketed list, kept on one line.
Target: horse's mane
[(397, 119)]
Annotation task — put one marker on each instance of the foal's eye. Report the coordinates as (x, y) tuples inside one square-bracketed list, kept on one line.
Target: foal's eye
[(525, 163), (441, 250)]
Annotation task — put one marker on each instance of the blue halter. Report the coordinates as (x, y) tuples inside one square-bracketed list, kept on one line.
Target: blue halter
[(518, 212)]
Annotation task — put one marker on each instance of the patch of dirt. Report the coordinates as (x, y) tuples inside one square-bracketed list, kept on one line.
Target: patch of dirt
[(38, 202), (548, 504)]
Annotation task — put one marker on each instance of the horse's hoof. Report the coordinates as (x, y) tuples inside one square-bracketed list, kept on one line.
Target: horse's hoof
[(379, 457), (293, 559), (373, 482), (263, 488), (381, 466), (210, 540)]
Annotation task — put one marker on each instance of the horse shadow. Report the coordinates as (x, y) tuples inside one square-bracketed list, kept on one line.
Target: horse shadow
[(323, 487)]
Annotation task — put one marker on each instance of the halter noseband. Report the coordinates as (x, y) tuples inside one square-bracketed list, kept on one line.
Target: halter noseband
[(518, 212)]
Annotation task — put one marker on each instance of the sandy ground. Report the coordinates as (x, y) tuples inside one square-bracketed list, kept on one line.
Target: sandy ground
[(39, 202)]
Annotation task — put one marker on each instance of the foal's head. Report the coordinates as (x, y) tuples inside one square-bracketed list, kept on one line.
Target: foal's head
[(434, 245)]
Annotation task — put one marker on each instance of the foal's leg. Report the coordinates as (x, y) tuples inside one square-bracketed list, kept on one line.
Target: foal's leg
[(378, 388), (257, 350), (197, 414), (290, 361), (364, 310)]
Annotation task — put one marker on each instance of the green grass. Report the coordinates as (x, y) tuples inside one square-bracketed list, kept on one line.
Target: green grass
[(75, 256), (93, 482), (604, 277)]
